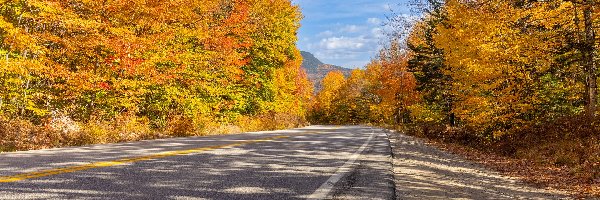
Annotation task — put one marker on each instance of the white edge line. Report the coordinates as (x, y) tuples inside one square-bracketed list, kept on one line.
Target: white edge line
[(326, 188)]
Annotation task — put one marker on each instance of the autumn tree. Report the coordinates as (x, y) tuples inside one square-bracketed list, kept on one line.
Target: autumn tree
[(393, 83), (381, 93), (588, 49), (499, 65), (427, 61), (323, 108), (170, 63)]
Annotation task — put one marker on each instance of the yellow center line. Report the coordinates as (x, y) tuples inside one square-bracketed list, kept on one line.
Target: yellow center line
[(103, 164)]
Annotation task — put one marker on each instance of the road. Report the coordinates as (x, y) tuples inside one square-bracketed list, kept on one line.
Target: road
[(317, 162)]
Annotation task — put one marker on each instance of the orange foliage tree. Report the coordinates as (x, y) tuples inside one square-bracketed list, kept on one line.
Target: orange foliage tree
[(163, 62), (381, 93)]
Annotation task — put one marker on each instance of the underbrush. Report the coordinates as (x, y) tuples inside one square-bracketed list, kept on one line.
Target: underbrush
[(572, 143), (21, 134)]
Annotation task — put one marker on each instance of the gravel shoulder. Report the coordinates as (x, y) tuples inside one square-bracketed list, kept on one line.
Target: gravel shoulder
[(425, 172)]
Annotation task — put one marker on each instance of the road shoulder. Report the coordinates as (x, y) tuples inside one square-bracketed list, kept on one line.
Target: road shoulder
[(422, 171)]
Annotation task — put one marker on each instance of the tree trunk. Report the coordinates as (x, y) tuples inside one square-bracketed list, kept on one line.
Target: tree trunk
[(588, 50)]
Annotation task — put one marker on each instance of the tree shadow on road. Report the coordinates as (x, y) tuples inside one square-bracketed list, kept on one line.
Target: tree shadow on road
[(283, 169), (291, 168)]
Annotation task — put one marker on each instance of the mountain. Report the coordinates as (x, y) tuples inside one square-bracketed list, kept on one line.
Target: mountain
[(317, 70)]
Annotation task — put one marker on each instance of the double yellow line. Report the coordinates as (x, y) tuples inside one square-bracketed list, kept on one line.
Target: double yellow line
[(103, 164)]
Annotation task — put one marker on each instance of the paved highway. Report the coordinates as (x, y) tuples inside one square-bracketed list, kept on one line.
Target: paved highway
[(317, 162)]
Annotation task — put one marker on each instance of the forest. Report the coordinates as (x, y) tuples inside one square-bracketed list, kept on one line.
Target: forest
[(83, 71), (515, 78)]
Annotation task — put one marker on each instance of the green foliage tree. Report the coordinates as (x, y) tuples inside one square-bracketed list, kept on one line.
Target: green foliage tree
[(428, 63)]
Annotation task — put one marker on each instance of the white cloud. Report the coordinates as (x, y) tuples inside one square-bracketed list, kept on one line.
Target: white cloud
[(352, 29), (348, 43), (374, 21), (351, 51), (350, 59), (346, 34), (387, 7), (325, 34), (378, 32)]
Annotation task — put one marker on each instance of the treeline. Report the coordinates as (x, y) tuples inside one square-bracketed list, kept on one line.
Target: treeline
[(78, 72), (515, 77), (382, 93)]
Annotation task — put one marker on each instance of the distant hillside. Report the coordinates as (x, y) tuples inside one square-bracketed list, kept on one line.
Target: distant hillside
[(317, 70)]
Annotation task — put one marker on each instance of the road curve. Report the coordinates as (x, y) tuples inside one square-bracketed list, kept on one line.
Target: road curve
[(349, 162)]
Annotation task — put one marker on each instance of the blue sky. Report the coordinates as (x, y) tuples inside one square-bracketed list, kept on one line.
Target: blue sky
[(347, 33)]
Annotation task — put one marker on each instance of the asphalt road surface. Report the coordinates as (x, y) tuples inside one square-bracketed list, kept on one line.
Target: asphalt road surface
[(317, 162)]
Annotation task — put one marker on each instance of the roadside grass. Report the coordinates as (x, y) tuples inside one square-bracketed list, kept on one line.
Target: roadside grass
[(563, 154)]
